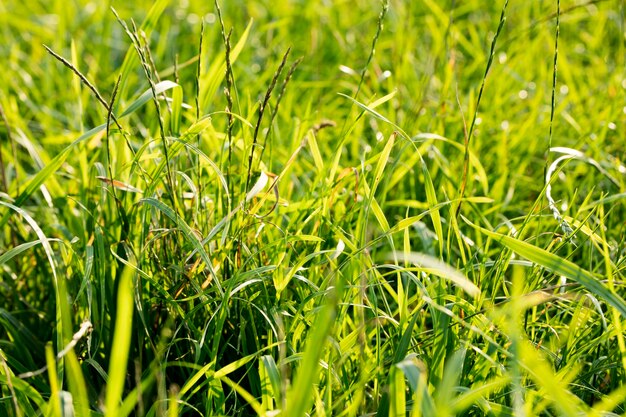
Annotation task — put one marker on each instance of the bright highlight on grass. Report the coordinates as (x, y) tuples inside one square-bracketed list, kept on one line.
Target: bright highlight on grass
[(363, 208)]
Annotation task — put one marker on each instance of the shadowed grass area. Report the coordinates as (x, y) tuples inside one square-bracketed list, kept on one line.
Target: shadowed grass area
[(343, 208)]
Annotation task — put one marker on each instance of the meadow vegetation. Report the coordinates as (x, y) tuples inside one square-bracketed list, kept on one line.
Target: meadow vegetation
[(324, 208)]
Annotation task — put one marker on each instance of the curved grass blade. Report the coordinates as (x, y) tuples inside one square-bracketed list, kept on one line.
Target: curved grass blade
[(377, 115), (184, 227), (58, 160), (13, 252), (130, 59), (441, 269), (64, 320), (147, 96), (559, 266), (175, 148), (300, 396), (24, 390), (272, 375), (431, 197)]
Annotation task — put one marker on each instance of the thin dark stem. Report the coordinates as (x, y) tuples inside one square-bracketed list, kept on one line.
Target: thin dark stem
[(153, 70), (229, 78), (2, 167), (85, 81), (480, 95), (229, 108), (108, 132), (292, 69), (148, 73), (266, 99), (229, 100), (379, 29), (197, 98), (554, 78)]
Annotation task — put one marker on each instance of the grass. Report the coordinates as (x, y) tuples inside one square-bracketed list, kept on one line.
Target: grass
[(299, 208)]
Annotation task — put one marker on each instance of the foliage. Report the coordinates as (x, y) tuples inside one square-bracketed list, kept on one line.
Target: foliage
[(312, 208)]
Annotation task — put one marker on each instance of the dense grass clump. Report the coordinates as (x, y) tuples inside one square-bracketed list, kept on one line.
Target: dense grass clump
[(296, 208)]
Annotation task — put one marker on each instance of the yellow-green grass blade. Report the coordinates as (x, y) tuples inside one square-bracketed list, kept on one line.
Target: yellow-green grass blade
[(270, 381), (442, 270), (131, 58), (300, 397), (447, 387), (415, 373), (370, 110), (146, 96), (189, 234), (382, 163), (58, 160), (315, 151), (13, 252), (480, 391), (77, 385), (397, 393), (211, 81), (554, 387), (431, 197), (376, 209), (63, 316), (54, 405), (385, 406), (121, 344), (26, 393), (249, 398), (174, 149), (559, 266)]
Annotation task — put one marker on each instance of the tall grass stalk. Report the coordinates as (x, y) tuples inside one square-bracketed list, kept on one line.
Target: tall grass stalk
[(194, 223)]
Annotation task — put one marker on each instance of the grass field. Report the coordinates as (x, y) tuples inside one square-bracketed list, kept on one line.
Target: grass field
[(333, 208)]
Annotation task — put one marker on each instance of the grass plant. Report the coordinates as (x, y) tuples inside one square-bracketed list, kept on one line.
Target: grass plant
[(336, 208)]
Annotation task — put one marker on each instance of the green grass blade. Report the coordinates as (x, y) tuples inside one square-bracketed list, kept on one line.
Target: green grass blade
[(383, 159), (146, 96), (77, 385), (441, 269), (397, 393), (58, 160), (447, 387), (370, 110), (121, 344), (147, 26), (54, 405), (431, 197), (189, 234), (270, 381), (13, 252), (559, 266), (300, 397), (63, 317)]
